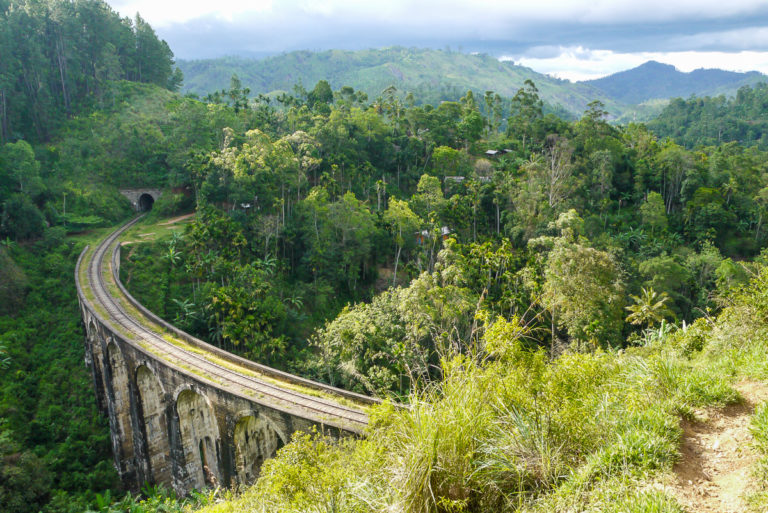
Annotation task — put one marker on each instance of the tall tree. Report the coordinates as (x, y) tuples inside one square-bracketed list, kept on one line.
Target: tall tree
[(526, 109), (403, 223)]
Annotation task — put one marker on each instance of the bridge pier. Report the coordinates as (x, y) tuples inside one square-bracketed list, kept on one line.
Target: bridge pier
[(154, 421)]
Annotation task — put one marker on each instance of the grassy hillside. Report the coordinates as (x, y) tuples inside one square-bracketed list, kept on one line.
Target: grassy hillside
[(432, 75)]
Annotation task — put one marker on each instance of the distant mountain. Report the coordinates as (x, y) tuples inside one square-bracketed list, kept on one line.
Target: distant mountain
[(432, 75), (437, 75), (654, 80)]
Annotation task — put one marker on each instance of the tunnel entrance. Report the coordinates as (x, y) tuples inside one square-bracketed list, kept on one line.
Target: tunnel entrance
[(145, 202)]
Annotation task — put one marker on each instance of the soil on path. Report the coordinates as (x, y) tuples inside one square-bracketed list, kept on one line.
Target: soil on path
[(177, 219), (714, 472)]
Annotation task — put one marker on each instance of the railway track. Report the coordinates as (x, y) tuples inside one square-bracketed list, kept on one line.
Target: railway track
[(268, 391)]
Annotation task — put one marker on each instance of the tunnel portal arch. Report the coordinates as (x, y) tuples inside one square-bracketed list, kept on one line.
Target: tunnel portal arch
[(142, 199), (145, 202)]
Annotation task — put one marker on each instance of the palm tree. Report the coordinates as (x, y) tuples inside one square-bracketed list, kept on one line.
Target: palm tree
[(186, 313), (173, 257), (649, 309)]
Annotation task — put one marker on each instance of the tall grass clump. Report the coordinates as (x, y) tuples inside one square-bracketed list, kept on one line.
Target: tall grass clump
[(314, 473), (736, 342), (758, 499)]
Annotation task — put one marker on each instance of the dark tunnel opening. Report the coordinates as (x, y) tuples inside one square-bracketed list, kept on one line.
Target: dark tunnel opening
[(145, 202)]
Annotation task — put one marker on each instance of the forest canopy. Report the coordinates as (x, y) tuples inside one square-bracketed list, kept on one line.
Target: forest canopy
[(423, 253), (56, 58)]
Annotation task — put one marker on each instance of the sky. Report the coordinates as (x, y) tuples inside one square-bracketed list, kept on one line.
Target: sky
[(571, 39)]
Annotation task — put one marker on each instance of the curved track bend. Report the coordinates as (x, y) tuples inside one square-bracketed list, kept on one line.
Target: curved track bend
[(291, 394)]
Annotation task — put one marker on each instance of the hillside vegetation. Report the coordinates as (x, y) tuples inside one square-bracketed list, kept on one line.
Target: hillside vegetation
[(508, 429), (83, 93), (717, 120), (549, 347)]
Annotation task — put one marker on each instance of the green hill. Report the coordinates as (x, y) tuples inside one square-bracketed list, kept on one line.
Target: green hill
[(654, 80), (432, 75)]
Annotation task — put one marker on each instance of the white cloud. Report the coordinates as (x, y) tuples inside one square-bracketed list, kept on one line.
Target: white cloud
[(160, 13), (578, 63), (201, 28), (479, 14), (740, 39)]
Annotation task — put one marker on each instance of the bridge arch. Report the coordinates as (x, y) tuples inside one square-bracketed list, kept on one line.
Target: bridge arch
[(119, 406), (256, 439), (153, 411), (200, 440), (94, 358)]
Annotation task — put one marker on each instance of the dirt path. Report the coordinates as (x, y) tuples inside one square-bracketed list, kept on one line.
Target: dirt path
[(177, 219), (714, 471)]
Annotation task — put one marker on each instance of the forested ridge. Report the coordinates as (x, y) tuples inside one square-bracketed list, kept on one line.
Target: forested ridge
[(434, 75), (716, 120), (654, 80), (551, 296), (56, 59), (430, 75)]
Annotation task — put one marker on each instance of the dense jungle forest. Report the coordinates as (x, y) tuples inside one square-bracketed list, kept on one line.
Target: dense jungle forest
[(551, 297)]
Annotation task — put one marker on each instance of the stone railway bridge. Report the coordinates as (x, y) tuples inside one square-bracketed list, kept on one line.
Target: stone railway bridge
[(183, 413)]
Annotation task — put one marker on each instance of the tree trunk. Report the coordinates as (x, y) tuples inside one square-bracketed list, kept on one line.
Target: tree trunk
[(552, 328), (431, 262), (397, 259), (63, 72), (3, 117)]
